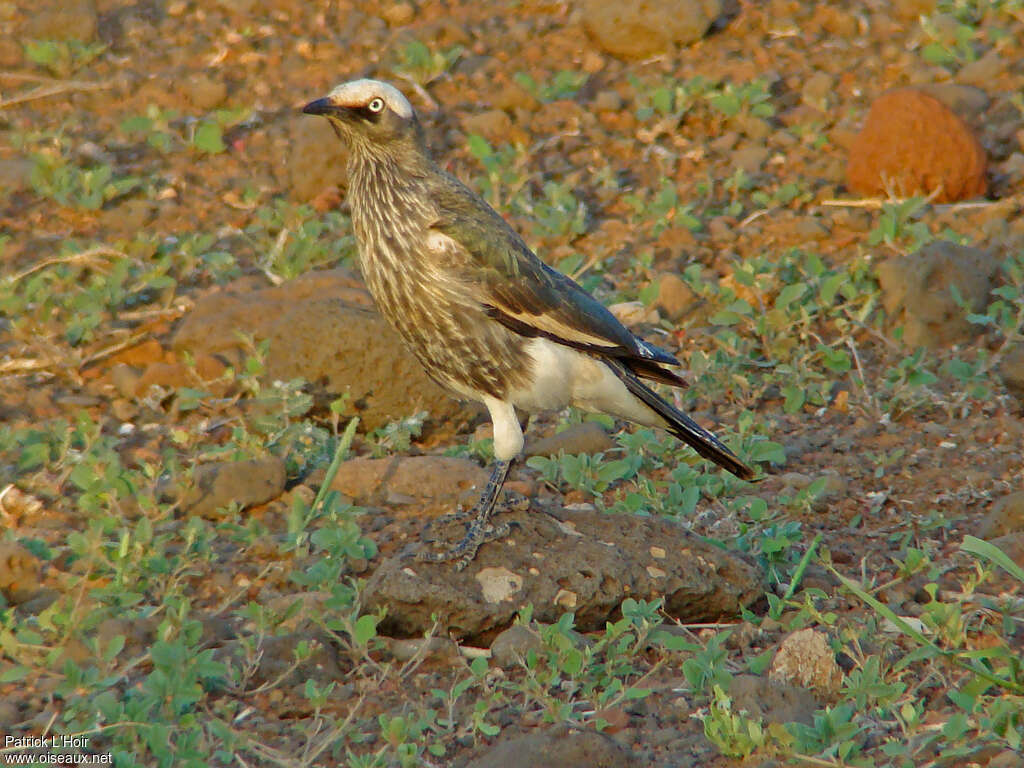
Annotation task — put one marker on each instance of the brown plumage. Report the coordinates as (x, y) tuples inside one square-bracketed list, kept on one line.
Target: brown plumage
[(486, 317)]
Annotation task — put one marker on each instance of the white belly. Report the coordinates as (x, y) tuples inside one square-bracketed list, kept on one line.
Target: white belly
[(564, 376)]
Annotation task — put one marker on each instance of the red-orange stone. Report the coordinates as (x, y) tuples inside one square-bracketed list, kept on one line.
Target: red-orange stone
[(911, 144)]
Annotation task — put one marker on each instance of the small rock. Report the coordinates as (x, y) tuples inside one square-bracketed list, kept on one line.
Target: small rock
[(835, 484), (513, 96), (916, 291), (912, 143), (399, 14), (1006, 516), (751, 157), (10, 713), (512, 645), (581, 560), (607, 101), (912, 10), (636, 29), (62, 20), (817, 90), (1012, 545), (559, 746), (1011, 371), (968, 101), (498, 585), (588, 437), (633, 313), (11, 55), (435, 647), (773, 701), (19, 572), (15, 173), (125, 379), (805, 659), (494, 124), (984, 70), (756, 128), (204, 92), (811, 229), (245, 483), (675, 297), (428, 485)]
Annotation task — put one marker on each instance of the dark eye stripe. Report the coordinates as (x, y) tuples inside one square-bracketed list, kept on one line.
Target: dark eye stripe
[(368, 114)]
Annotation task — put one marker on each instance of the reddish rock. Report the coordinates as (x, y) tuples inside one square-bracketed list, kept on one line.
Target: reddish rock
[(322, 328), (912, 143), (425, 486), (635, 29)]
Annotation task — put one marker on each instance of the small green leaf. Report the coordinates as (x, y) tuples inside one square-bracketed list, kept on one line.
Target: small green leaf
[(365, 629), (209, 138)]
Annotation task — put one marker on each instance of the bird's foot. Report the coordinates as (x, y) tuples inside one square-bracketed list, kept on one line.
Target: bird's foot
[(479, 533)]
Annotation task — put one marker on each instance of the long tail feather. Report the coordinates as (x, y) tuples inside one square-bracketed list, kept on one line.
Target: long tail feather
[(681, 425)]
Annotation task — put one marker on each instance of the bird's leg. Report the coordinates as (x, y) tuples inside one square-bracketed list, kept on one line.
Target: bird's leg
[(479, 531)]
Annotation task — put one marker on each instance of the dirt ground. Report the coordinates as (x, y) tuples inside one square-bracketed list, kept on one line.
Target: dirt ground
[(723, 158)]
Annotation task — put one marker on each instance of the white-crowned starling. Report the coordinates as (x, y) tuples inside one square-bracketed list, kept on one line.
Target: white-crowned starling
[(487, 319)]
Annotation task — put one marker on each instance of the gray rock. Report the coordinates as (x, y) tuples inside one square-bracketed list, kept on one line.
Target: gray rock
[(968, 101), (513, 644), (1011, 371), (1006, 516), (246, 483), (588, 437), (1012, 545), (557, 746), (984, 70), (323, 328), (639, 28), (916, 291), (773, 701), (581, 561)]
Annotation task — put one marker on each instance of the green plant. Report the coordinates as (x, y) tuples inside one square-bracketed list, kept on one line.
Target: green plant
[(900, 226), (207, 134), (397, 436), (62, 57), (90, 188), (734, 733), (288, 240), (417, 63), (563, 85), (753, 99)]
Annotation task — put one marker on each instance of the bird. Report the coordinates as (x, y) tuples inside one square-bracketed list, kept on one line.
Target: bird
[(487, 318)]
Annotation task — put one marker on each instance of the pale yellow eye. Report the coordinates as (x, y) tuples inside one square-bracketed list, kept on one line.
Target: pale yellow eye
[(376, 105)]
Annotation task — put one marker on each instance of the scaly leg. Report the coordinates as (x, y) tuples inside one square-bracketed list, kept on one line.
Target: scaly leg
[(479, 531)]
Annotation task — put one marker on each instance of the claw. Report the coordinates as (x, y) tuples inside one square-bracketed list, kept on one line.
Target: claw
[(480, 531)]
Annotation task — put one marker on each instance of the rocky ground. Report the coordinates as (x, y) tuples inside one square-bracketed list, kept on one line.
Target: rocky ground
[(816, 206)]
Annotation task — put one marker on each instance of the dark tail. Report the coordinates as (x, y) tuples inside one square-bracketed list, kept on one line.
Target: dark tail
[(681, 425)]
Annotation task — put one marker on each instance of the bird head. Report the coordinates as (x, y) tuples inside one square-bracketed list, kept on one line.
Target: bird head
[(368, 113)]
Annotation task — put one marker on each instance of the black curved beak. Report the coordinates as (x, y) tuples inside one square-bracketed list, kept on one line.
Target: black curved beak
[(321, 107)]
